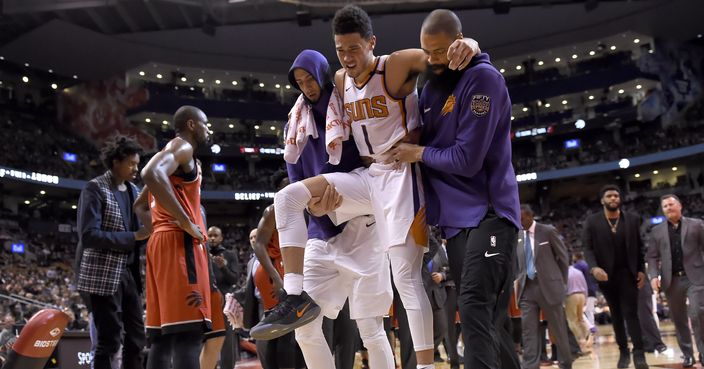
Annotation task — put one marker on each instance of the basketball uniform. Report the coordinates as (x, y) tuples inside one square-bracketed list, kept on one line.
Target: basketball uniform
[(178, 281), (351, 265), (261, 278), (393, 195)]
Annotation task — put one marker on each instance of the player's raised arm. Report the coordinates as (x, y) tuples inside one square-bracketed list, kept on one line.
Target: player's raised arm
[(409, 63)]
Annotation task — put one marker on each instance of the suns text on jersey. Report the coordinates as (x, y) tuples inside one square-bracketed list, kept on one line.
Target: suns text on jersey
[(367, 108)]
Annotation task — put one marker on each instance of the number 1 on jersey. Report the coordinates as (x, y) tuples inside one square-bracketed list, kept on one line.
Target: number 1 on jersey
[(366, 139)]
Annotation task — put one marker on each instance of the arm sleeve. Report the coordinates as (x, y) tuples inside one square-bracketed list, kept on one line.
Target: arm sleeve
[(476, 127), (92, 236)]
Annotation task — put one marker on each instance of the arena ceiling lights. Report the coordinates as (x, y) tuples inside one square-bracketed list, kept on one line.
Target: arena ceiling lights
[(561, 56)]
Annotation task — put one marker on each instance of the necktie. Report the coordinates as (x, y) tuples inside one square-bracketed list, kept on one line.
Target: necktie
[(530, 265)]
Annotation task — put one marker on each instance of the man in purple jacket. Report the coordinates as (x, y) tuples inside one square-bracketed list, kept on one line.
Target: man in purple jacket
[(470, 186)]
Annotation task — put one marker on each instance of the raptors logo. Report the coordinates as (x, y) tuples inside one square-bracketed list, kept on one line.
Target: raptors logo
[(481, 105), (194, 299)]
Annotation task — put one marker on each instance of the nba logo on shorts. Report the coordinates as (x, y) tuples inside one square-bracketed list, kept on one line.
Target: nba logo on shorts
[(492, 240)]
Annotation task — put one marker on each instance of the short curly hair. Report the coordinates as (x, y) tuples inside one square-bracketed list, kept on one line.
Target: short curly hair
[(352, 19), (118, 148), (609, 187)]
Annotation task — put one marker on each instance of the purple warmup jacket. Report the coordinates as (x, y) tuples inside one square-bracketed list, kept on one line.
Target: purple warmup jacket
[(467, 160), (314, 158)]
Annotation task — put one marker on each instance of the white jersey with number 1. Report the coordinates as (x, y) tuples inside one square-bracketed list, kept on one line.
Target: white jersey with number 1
[(378, 119)]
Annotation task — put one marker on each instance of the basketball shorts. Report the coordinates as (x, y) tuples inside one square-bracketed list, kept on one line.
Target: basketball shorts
[(178, 284), (352, 265), (393, 196)]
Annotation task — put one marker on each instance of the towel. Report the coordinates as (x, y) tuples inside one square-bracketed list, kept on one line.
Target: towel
[(301, 124), (337, 127)]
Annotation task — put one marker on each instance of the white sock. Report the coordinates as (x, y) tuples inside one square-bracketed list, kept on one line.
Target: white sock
[(293, 283), (425, 366)]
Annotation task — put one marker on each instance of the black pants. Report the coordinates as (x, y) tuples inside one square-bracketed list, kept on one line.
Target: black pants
[(280, 353), (450, 342), (481, 263), (228, 352), (651, 333), (114, 314), (175, 351), (621, 293)]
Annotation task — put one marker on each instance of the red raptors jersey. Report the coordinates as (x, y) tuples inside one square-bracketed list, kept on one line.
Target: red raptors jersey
[(187, 190), (261, 278)]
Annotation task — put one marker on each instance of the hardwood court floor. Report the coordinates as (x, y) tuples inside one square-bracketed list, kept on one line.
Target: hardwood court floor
[(604, 355)]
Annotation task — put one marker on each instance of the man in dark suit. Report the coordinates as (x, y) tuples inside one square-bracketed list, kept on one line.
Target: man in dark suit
[(676, 265), (434, 275), (107, 257), (615, 253), (543, 261)]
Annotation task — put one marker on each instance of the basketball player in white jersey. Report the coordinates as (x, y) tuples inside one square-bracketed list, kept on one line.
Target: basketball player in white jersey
[(381, 101)]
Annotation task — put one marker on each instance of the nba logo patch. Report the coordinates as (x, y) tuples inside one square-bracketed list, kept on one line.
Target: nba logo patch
[(492, 241), (480, 105)]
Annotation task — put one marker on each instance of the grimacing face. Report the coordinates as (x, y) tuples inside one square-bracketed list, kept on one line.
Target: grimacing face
[(355, 53)]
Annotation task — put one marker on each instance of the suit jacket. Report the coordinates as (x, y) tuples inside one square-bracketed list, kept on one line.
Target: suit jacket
[(660, 255), (436, 292), (551, 259), (226, 277), (596, 243), (104, 242)]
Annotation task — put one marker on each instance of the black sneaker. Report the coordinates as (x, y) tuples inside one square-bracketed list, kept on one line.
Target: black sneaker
[(292, 312), (639, 359), (624, 359)]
